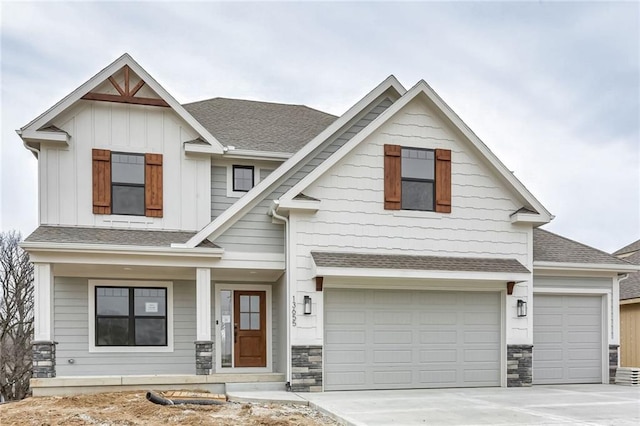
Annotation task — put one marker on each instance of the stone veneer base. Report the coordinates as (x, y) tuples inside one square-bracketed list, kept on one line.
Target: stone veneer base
[(613, 363), (519, 365), (204, 357), (306, 368), (44, 359)]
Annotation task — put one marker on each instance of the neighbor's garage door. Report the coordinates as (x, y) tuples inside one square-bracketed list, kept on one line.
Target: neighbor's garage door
[(567, 339), (377, 339)]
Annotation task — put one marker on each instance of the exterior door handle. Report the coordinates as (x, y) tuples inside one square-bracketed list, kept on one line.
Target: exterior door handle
[(235, 333)]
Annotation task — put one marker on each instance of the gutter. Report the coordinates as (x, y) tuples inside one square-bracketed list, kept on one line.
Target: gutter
[(287, 264), (119, 249), (591, 267)]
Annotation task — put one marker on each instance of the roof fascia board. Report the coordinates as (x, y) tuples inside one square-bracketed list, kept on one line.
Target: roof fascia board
[(222, 222), (257, 155), (111, 69), (420, 274), (43, 136), (630, 301), (533, 218), (587, 267), (122, 249), (423, 88)]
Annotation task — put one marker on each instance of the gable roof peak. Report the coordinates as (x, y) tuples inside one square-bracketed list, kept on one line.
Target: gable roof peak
[(124, 60)]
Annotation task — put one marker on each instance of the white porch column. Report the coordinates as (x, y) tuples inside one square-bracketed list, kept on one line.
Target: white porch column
[(203, 304), (43, 302)]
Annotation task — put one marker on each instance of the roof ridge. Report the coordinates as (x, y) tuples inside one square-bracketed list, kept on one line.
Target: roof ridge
[(583, 245), (258, 102)]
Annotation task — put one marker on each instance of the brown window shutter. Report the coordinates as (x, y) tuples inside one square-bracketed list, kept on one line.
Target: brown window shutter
[(101, 181), (392, 177), (153, 185), (443, 180)]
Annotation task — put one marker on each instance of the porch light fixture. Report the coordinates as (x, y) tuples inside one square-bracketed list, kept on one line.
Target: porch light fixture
[(521, 308), (307, 305)]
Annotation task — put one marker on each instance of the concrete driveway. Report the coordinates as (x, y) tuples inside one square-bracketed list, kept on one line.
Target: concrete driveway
[(548, 405)]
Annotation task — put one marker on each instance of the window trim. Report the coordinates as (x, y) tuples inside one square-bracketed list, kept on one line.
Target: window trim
[(432, 181), (130, 185), (231, 192), (129, 283)]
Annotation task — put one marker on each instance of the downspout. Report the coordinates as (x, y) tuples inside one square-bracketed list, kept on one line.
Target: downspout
[(287, 263)]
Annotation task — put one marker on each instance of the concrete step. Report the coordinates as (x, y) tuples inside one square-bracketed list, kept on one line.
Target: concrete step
[(255, 387)]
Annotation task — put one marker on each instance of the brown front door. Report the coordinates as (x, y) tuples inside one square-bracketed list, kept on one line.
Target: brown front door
[(249, 326)]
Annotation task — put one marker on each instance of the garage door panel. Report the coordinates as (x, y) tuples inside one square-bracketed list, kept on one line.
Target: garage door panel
[(345, 356), (567, 339), (392, 356), (481, 337), (438, 318), (349, 298), (442, 355), (392, 318), (431, 337), (339, 336), (418, 339), (481, 318), (347, 317)]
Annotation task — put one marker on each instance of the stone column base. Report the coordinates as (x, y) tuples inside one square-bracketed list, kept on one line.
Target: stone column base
[(44, 359), (519, 365), (306, 368), (204, 357), (613, 363)]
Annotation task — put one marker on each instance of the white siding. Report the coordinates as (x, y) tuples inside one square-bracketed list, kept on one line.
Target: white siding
[(352, 216), (66, 174), (71, 331)]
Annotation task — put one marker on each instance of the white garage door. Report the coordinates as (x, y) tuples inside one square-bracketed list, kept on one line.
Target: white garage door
[(567, 339), (378, 339)]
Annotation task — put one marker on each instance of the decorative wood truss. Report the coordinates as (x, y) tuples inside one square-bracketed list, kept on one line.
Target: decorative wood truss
[(126, 95)]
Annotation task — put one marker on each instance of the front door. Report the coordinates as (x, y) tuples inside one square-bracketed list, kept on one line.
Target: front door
[(249, 329)]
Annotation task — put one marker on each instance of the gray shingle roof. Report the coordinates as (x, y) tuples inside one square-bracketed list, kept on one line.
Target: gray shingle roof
[(427, 263), (630, 288), (259, 126), (550, 247), (635, 246), (125, 237)]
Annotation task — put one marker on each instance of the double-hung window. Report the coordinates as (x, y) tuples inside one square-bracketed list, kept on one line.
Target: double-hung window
[(127, 184), (418, 179), (130, 316)]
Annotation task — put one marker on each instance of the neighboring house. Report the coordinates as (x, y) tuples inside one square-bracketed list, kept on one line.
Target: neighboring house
[(630, 309), (238, 241)]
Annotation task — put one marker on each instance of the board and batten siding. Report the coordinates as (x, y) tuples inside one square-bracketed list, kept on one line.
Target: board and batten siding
[(71, 331), (255, 231), (352, 216), (66, 173)]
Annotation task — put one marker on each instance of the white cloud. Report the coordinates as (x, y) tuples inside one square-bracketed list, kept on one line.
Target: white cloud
[(551, 88)]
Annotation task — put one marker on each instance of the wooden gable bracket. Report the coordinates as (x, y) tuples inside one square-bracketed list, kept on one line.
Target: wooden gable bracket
[(126, 95), (319, 281), (510, 286)]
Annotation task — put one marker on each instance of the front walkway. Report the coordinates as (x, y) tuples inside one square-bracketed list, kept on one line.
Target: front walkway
[(548, 405)]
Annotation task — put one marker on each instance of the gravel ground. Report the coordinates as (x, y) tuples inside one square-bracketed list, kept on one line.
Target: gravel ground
[(132, 408)]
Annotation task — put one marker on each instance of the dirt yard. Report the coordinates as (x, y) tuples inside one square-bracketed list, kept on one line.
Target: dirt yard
[(132, 408)]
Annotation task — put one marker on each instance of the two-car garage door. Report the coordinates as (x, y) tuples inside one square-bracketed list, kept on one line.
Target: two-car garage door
[(378, 339)]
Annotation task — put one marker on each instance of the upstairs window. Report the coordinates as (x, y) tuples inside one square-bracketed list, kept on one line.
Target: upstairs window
[(417, 179), (127, 183), (418, 170), (243, 178)]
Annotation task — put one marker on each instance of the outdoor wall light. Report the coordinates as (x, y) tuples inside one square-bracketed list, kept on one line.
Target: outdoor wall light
[(307, 305), (521, 308)]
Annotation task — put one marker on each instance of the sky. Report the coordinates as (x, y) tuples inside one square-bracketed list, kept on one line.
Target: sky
[(553, 89)]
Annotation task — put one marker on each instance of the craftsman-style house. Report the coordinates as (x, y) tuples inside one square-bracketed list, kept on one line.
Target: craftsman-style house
[(231, 241)]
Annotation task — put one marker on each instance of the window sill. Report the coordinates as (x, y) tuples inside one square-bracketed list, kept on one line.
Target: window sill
[(130, 349), (417, 213)]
